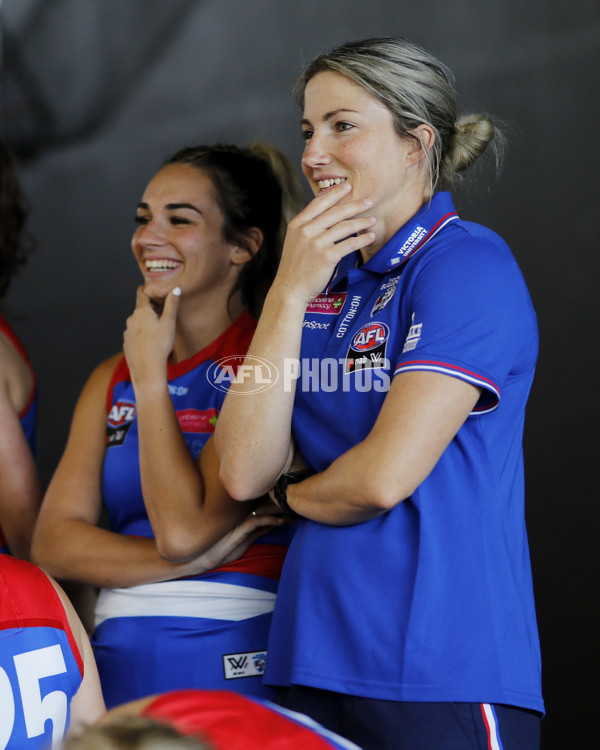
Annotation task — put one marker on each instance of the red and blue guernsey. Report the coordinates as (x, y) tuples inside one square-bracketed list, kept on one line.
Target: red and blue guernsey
[(208, 631), (41, 668), (234, 722), (437, 592), (28, 413)]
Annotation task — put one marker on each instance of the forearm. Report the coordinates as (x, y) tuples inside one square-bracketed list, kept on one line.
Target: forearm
[(253, 434), (172, 485), (20, 499), (420, 416), (74, 550), (346, 492), (254, 430), (18, 531), (188, 509), (20, 491)]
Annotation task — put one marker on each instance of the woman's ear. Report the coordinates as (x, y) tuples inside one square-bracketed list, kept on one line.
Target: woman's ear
[(424, 136), (242, 254)]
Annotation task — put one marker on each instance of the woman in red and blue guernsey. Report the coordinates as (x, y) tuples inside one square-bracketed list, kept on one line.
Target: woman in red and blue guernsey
[(406, 342), (20, 491), (188, 588)]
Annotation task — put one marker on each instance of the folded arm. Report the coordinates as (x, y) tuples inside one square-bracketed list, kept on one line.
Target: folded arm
[(421, 414), (68, 542)]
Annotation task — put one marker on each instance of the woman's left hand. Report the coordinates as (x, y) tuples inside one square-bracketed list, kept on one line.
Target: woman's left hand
[(149, 337), (234, 544)]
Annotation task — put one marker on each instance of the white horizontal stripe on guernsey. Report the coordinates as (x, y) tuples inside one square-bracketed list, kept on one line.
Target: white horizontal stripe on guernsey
[(449, 371), (493, 738), (215, 601)]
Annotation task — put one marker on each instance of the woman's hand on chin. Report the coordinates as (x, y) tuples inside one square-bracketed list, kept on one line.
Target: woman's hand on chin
[(319, 237), (150, 335)]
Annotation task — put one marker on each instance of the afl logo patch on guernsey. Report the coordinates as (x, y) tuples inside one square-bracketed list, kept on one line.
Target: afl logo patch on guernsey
[(120, 418), (370, 336), (367, 348)]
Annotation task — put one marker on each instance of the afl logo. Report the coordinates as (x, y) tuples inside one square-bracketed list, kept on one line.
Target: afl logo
[(237, 369), (121, 413), (370, 336)]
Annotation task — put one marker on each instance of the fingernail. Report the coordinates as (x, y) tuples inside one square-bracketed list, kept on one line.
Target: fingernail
[(177, 291)]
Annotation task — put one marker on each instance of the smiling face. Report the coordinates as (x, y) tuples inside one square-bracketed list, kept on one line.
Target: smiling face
[(350, 135), (179, 240)]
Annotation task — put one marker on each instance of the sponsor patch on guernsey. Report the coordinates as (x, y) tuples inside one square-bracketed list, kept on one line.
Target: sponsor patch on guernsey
[(411, 242), (367, 348), (327, 304), (120, 418), (249, 664), (194, 420)]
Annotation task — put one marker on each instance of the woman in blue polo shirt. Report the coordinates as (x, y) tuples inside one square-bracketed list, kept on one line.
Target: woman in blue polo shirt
[(406, 343)]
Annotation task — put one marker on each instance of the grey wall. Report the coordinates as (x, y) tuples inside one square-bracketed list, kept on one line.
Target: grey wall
[(96, 93)]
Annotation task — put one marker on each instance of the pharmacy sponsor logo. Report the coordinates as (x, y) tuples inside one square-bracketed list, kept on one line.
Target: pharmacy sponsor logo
[(120, 418), (195, 420), (386, 292), (256, 373), (327, 304), (249, 664), (196, 426)]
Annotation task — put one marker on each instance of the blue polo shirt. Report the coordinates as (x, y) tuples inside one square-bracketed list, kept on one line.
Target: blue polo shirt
[(433, 600)]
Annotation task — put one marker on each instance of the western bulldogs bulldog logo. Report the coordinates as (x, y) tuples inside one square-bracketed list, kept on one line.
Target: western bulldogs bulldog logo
[(386, 292), (260, 662), (120, 418)]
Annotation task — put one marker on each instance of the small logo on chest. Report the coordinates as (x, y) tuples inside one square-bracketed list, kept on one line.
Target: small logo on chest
[(386, 292), (120, 418), (367, 348), (327, 304)]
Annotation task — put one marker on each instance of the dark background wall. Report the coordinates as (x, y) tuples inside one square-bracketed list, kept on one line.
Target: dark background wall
[(96, 93)]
